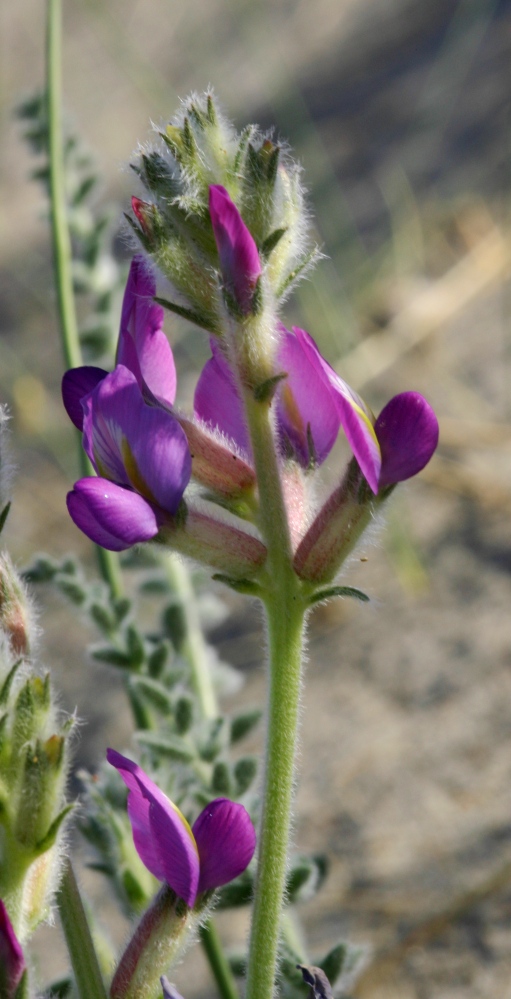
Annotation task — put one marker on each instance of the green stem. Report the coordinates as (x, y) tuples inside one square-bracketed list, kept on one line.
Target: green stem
[(78, 938), (217, 961), (60, 230), (62, 253), (285, 608), (194, 646)]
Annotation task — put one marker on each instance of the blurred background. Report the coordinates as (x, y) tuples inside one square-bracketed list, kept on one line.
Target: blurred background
[(399, 113)]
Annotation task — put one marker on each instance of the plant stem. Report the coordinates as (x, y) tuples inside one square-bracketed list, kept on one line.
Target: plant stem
[(62, 255), (218, 963), (285, 608), (60, 230), (194, 647), (78, 938)]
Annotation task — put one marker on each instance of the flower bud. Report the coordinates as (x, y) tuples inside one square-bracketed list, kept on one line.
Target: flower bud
[(33, 766), (15, 610)]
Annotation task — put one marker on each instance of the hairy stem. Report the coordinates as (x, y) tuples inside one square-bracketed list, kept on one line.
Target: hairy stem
[(195, 648), (285, 609), (78, 938)]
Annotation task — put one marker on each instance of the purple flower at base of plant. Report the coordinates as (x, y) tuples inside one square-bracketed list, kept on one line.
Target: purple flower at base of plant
[(142, 459), (239, 257), (12, 960), (142, 347), (218, 847)]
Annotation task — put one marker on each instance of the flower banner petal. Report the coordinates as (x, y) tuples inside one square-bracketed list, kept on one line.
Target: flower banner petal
[(143, 346), (226, 841), (161, 833), (217, 401), (306, 406)]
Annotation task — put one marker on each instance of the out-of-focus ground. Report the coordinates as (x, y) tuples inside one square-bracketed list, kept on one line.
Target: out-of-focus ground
[(399, 112)]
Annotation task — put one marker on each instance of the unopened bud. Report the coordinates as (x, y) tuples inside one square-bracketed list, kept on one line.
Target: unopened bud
[(15, 610)]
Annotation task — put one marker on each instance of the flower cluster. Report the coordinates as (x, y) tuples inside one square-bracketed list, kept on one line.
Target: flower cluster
[(150, 458)]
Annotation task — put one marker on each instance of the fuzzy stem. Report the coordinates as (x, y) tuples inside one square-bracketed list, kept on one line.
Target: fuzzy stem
[(78, 938), (218, 962), (62, 254), (285, 610), (194, 646)]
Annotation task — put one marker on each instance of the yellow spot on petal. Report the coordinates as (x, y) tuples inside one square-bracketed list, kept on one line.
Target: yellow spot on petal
[(133, 473)]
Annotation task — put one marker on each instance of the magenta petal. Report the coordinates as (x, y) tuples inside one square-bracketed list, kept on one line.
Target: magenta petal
[(143, 346), (355, 418), (239, 258), (407, 431), (162, 837), (217, 401), (135, 444), (161, 454), (76, 384), (305, 399), (226, 841), (110, 515), (12, 961)]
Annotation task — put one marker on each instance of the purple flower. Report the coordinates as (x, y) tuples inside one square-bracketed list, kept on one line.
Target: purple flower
[(239, 258), (218, 847), (12, 961), (142, 347), (142, 459), (312, 403)]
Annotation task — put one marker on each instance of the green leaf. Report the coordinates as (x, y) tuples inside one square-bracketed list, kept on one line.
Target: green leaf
[(49, 839), (109, 654), (135, 646), (183, 714), (157, 659), (154, 692), (201, 319), (338, 591), (245, 770), (333, 962), (221, 784), (238, 892), (238, 585), (242, 724), (170, 746), (266, 390), (271, 242), (7, 684)]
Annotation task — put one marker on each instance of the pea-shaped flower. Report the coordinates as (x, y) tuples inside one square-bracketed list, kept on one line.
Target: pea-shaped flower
[(191, 860)]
